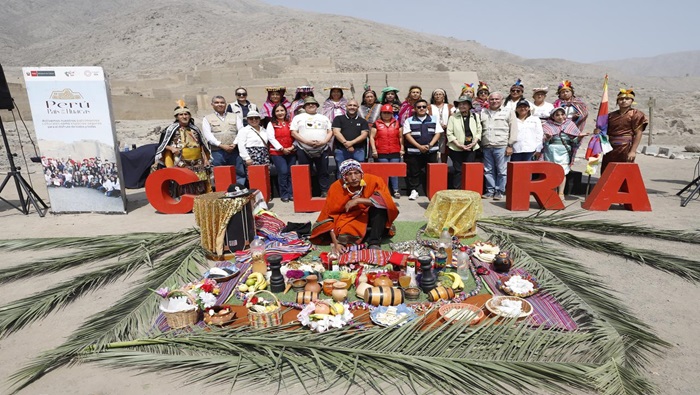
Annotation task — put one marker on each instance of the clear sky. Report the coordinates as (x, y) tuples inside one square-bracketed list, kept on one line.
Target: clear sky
[(583, 31)]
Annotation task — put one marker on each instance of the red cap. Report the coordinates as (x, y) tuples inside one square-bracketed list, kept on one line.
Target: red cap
[(387, 108)]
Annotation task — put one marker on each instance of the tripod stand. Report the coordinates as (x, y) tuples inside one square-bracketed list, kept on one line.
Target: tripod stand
[(695, 183), (22, 185)]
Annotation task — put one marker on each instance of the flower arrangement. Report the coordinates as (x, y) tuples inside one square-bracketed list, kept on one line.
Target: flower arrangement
[(203, 293), (321, 315)]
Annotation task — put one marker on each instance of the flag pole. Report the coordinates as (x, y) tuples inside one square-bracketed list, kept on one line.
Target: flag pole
[(594, 146)]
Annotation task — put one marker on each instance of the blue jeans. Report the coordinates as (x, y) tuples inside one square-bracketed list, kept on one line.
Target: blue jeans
[(343, 154), (495, 168), (393, 181), (283, 164), (223, 158)]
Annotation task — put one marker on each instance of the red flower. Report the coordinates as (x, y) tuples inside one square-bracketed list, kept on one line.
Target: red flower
[(207, 287), (253, 300)]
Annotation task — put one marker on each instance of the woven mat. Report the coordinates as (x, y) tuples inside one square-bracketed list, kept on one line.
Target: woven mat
[(546, 312)]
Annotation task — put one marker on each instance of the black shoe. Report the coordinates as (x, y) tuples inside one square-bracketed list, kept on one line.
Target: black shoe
[(285, 200)]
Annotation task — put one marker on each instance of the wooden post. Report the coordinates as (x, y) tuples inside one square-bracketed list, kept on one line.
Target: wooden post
[(652, 104)]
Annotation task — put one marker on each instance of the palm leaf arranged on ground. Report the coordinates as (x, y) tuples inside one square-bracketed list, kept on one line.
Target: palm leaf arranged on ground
[(606, 354)]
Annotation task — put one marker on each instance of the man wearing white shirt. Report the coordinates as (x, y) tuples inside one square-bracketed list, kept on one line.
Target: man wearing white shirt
[(220, 129)]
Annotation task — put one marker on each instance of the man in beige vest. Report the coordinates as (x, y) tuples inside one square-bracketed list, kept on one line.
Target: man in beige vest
[(220, 130)]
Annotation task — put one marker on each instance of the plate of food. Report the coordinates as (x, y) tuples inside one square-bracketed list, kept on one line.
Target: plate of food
[(517, 285), (222, 274), (485, 251), (392, 315), (454, 312), (509, 307)]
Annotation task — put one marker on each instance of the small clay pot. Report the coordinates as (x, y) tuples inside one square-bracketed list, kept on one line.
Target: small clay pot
[(340, 293), (412, 293), (312, 284), (502, 262), (361, 288), (298, 285), (383, 281), (328, 286)]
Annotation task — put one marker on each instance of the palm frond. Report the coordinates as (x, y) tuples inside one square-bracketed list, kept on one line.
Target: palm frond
[(640, 342), (91, 250), (133, 314), (685, 268), (571, 220)]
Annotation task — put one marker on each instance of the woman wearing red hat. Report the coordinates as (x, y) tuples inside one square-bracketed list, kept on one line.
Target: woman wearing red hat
[(386, 142)]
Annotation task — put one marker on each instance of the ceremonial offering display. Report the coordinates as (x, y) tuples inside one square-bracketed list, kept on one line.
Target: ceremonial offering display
[(509, 307), (485, 251), (263, 313), (219, 315), (321, 316), (393, 315), (461, 311), (519, 286)]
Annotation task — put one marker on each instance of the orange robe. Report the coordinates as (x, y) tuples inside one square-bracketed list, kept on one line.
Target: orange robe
[(354, 222)]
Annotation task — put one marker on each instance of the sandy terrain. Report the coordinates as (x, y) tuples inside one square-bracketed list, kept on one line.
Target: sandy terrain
[(663, 301)]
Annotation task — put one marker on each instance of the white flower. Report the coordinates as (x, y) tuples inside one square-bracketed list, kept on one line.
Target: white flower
[(208, 299)]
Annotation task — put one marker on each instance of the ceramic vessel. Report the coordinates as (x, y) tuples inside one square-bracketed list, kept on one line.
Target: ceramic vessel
[(361, 288), (306, 297), (328, 286), (339, 292), (502, 262), (440, 292), (298, 285), (412, 293), (383, 281), (427, 279), (312, 284), (384, 296)]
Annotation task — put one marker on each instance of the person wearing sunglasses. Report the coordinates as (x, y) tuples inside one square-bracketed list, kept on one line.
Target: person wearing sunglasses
[(241, 107), (422, 133), (515, 95)]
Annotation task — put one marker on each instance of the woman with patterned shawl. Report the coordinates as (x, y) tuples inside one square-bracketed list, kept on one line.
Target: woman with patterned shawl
[(561, 140), (335, 104), (298, 103), (575, 109), (406, 111), (359, 208), (183, 146), (275, 94), (481, 100)]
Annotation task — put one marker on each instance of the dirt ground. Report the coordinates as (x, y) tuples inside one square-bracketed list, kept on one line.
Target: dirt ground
[(664, 301)]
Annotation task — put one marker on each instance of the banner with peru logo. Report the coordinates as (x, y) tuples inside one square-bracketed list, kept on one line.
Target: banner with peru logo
[(74, 126)]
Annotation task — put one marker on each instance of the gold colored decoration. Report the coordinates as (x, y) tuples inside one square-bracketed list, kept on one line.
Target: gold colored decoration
[(212, 213), (455, 210)]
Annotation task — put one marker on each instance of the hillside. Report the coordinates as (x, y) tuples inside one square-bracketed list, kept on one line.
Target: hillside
[(160, 37), (677, 64)]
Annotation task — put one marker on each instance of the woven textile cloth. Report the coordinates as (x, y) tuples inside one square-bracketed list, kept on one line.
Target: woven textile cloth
[(453, 209), (546, 311), (212, 213)]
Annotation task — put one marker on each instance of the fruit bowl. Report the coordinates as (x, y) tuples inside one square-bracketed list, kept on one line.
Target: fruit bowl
[(455, 312), (509, 307), (506, 288)]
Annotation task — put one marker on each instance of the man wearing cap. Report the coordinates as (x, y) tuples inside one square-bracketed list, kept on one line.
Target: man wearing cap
[(359, 208), (312, 133), (350, 131), (499, 132), (422, 133), (625, 127), (539, 107), (241, 107), (220, 129), (463, 135)]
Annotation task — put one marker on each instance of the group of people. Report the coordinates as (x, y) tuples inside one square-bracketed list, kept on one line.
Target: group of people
[(88, 173), (479, 125)]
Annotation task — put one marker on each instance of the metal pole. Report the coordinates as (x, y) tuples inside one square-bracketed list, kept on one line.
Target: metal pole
[(652, 103)]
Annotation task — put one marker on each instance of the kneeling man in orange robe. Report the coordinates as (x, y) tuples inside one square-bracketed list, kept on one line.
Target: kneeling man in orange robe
[(359, 209)]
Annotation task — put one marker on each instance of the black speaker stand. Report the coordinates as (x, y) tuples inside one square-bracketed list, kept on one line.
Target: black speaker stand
[(21, 184)]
